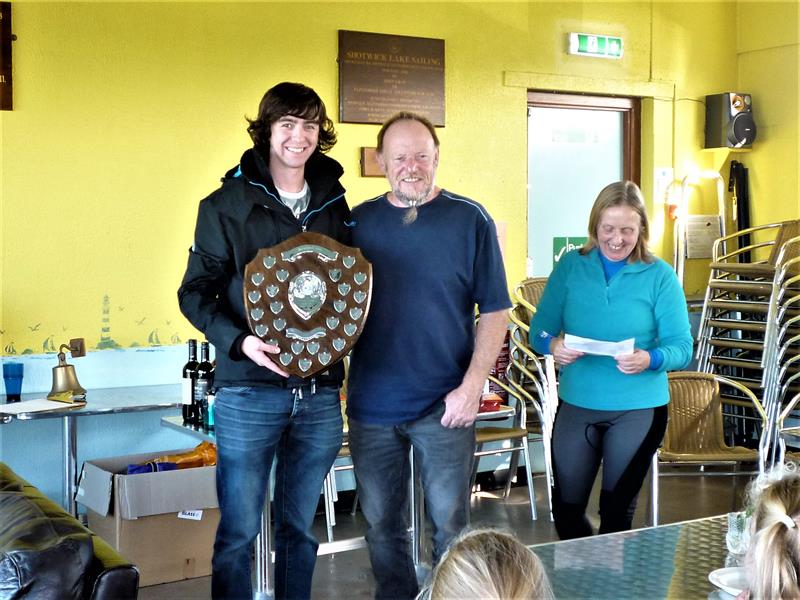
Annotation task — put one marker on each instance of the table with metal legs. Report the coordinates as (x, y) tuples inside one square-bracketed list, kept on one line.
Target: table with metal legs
[(108, 401)]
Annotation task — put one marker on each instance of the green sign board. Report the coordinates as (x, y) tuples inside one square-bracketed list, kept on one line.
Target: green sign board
[(562, 245), (588, 44)]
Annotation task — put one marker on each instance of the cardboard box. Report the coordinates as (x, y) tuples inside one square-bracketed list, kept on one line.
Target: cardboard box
[(164, 523)]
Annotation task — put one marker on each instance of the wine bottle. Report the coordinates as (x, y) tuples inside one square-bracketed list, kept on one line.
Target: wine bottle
[(208, 402), (208, 410), (202, 384), (189, 377)]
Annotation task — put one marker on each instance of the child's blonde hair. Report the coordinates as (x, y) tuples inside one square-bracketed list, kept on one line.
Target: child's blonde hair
[(487, 563), (774, 551)]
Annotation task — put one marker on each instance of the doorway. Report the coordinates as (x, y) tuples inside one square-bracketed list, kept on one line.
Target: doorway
[(577, 144)]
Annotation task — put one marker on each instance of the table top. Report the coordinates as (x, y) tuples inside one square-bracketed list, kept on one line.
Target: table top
[(110, 400), (669, 561), (176, 422)]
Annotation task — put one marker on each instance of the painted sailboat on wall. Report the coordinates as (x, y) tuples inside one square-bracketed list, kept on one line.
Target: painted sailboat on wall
[(48, 347), (152, 339), (9, 348)]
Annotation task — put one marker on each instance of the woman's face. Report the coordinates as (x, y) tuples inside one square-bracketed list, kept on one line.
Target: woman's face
[(618, 231)]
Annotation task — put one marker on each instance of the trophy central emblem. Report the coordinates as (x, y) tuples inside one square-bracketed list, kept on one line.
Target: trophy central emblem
[(308, 295)]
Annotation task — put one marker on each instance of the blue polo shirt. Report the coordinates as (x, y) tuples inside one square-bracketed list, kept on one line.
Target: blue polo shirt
[(428, 277)]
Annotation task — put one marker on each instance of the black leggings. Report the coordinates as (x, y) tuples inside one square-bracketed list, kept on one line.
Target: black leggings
[(624, 441)]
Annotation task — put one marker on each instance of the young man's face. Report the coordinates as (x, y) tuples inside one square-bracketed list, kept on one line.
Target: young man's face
[(292, 142), (409, 159)]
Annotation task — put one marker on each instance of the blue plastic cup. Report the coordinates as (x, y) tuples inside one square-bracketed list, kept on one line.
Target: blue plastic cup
[(12, 378)]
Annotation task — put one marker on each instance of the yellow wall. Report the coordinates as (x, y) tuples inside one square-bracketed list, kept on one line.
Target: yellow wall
[(126, 115), (768, 65)]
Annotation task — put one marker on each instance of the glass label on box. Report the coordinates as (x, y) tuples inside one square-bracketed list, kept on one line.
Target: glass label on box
[(192, 515)]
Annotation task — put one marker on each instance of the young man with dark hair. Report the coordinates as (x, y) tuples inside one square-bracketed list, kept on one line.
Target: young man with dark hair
[(283, 185)]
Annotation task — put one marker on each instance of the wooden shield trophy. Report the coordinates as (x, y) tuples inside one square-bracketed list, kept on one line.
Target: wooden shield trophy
[(310, 296)]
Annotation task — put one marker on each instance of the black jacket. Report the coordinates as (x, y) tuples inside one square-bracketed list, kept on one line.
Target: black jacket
[(244, 215)]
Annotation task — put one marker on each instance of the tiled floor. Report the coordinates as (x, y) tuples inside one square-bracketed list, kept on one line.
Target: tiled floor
[(347, 576)]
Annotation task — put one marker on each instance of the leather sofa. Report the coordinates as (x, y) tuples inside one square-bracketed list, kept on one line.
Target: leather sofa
[(45, 553)]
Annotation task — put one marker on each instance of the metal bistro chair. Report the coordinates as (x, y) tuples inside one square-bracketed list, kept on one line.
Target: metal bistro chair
[(343, 462), (537, 384), (516, 435), (695, 435), (781, 356), (526, 296), (519, 346), (787, 433), (529, 369)]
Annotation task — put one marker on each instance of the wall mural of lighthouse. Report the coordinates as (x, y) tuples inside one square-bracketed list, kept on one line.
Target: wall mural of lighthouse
[(106, 343), (148, 333)]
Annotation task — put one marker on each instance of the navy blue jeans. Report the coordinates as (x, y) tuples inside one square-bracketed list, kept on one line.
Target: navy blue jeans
[(253, 425), (380, 456)]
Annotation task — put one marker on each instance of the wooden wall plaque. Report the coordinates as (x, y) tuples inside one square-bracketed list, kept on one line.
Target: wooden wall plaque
[(380, 75), (6, 97), (369, 163)]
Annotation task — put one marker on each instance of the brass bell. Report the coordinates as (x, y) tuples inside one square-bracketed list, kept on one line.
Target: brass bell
[(65, 382)]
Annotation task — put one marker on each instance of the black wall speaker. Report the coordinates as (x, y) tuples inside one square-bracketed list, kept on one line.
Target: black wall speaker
[(729, 121)]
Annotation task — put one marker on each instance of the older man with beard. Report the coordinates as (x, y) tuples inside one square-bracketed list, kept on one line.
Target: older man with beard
[(419, 367)]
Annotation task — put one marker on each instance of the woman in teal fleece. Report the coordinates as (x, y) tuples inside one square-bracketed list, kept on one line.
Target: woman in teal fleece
[(613, 409)]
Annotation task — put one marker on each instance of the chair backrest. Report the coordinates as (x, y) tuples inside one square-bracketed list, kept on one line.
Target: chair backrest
[(515, 398), (786, 231), (526, 374), (523, 358), (695, 414), (521, 316), (527, 294)]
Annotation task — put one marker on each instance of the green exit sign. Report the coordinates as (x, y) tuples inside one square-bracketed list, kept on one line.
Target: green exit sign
[(587, 44)]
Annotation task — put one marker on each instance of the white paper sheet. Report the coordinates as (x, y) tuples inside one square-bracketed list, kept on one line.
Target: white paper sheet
[(590, 346), (36, 405)]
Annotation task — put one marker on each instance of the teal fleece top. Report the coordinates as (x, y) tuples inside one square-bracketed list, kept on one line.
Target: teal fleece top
[(644, 301)]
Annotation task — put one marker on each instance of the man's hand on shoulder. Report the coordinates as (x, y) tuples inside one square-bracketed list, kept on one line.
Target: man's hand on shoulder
[(461, 407), (259, 351)]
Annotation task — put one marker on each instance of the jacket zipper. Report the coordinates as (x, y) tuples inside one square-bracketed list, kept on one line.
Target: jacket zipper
[(304, 222)]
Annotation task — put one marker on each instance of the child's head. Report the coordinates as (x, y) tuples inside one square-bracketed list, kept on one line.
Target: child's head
[(774, 553), (486, 563)]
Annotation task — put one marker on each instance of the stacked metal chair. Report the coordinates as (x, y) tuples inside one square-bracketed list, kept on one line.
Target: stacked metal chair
[(533, 378), (515, 441), (782, 351), (525, 297), (747, 330), (531, 375)]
